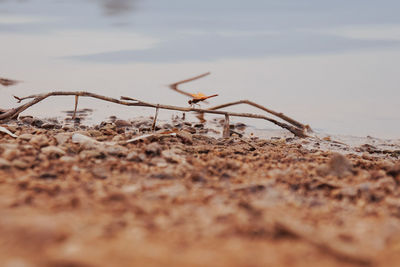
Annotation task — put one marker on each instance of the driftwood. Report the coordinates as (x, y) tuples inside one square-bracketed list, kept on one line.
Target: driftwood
[(76, 107), (153, 126), (295, 123), (128, 101), (174, 86), (226, 132), (295, 127), (277, 114)]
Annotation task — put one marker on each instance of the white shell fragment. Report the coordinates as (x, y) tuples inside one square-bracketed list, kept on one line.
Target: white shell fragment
[(6, 131)]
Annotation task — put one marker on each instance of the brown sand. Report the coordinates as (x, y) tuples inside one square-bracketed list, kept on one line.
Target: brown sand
[(191, 200)]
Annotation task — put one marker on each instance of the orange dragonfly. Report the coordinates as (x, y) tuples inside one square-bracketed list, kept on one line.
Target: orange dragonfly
[(196, 98)]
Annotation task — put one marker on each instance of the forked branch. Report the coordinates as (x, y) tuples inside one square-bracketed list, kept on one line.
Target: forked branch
[(174, 86), (127, 101), (280, 115), (277, 114)]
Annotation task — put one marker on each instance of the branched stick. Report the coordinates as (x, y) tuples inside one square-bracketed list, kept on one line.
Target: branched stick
[(295, 123), (127, 101), (174, 86), (278, 114)]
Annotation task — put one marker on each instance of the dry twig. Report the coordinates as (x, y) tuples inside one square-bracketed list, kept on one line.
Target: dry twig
[(174, 86), (76, 106), (226, 133), (127, 101), (278, 114), (153, 126)]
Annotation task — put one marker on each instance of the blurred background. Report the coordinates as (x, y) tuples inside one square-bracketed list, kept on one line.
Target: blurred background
[(331, 64)]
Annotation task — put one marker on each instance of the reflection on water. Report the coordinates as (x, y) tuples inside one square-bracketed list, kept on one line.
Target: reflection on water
[(117, 7), (332, 64)]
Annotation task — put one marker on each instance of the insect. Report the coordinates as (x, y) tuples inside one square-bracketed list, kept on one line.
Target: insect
[(196, 98)]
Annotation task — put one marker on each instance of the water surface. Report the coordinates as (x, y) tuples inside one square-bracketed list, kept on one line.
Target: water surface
[(331, 64)]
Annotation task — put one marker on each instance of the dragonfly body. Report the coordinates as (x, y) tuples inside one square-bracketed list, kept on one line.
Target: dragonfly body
[(199, 97)]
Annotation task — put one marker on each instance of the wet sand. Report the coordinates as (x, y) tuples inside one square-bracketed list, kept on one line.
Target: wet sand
[(103, 196)]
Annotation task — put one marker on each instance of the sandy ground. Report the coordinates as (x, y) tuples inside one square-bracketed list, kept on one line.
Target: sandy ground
[(89, 197)]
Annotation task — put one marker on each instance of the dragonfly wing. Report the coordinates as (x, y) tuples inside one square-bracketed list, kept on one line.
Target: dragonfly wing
[(198, 96)]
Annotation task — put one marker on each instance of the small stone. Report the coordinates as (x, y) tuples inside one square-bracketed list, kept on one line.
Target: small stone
[(20, 164), (95, 133), (144, 129), (122, 123), (129, 189), (8, 146), (37, 123), (116, 150), (205, 131), (172, 156), (199, 125), (240, 126), (48, 175), (11, 154), (39, 140), (67, 159), (394, 171), (153, 149), (185, 137), (118, 138), (134, 156), (62, 138), (12, 128), (26, 119), (88, 154), (339, 165), (147, 123), (166, 126), (48, 125), (197, 178), (85, 141), (100, 172), (162, 176), (159, 162), (190, 130), (346, 192), (25, 137), (4, 164), (53, 151)]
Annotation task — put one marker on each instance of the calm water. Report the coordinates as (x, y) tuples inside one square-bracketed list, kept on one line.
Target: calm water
[(332, 64)]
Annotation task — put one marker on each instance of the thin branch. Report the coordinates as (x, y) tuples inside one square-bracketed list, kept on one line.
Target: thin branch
[(226, 132), (37, 98), (174, 86), (76, 106), (278, 114), (153, 126)]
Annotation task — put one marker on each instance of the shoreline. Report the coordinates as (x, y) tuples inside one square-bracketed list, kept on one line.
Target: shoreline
[(88, 197)]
